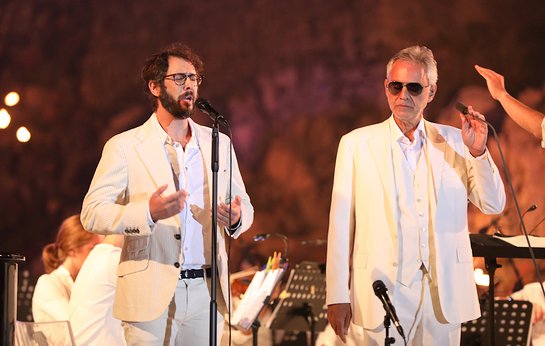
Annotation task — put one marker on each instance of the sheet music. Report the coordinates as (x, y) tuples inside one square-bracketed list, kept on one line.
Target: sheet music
[(520, 241), (261, 286)]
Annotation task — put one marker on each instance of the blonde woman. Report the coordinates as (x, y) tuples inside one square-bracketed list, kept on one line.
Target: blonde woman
[(62, 262)]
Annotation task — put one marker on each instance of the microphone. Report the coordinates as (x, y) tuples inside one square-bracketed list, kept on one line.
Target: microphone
[(462, 108), (530, 209), (316, 242), (261, 237), (264, 236), (207, 108), (382, 293)]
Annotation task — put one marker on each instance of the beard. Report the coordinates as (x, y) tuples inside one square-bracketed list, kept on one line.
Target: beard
[(173, 106)]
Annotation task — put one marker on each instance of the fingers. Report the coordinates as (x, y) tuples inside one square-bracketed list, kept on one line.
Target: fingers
[(234, 208), (481, 70), (162, 207), (237, 201), (490, 76), (473, 119), (485, 72), (160, 190), (475, 114), (339, 316)]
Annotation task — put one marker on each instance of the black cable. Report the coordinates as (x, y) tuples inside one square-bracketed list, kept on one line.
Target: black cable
[(230, 135), (537, 224)]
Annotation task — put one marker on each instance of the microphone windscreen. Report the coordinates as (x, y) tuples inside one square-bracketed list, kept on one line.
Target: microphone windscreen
[(462, 108), (202, 104), (379, 287)]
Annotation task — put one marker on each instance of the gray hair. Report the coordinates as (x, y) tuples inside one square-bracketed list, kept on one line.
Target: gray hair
[(418, 54)]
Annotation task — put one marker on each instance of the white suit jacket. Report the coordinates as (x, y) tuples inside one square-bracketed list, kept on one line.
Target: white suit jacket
[(362, 239), (132, 167)]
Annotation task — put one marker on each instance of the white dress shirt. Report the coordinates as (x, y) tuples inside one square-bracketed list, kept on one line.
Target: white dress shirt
[(195, 217)]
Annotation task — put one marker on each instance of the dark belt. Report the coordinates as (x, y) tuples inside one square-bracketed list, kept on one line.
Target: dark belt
[(195, 273)]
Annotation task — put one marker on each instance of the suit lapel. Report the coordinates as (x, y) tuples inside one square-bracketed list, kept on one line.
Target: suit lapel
[(436, 148), (436, 160), (380, 148), (151, 152), (205, 146)]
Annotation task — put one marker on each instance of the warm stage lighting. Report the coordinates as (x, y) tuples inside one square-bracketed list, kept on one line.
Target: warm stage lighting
[(11, 99), (481, 278), (5, 118), (23, 135)]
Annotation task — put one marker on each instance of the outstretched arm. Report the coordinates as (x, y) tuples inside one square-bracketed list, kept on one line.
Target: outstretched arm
[(526, 117)]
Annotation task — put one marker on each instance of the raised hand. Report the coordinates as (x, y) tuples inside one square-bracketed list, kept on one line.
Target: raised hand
[(474, 132), (223, 212), (494, 81), (162, 207)]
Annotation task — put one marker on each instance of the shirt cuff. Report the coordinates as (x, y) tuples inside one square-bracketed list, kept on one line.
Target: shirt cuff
[(233, 228), (149, 219), (482, 157)]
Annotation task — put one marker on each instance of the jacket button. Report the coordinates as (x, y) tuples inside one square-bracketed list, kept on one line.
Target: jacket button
[(177, 236), (177, 265)]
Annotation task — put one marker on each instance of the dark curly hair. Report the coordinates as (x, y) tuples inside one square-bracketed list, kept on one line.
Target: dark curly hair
[(156, 66)]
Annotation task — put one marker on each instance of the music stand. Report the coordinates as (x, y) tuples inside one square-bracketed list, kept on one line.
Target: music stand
[(491, 248), (302, 304), (514, 318), (256, 297), (43, 333)]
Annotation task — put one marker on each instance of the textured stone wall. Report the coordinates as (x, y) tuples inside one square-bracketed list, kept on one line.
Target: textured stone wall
[(291, 77)]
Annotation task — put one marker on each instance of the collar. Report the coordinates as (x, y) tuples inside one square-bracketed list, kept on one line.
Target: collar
[(165, 138), (419, 133)]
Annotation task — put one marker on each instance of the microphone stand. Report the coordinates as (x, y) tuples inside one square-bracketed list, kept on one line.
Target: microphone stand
[(388, 340), (214, 236)]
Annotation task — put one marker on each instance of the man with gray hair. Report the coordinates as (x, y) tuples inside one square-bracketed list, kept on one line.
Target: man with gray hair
[(398, 214)]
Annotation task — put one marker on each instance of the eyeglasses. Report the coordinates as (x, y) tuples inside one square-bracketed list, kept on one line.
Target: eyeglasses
[(414, 89), (180, 78)]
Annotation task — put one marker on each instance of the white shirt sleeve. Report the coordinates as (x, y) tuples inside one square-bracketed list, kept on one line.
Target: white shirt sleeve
[(51, 296)]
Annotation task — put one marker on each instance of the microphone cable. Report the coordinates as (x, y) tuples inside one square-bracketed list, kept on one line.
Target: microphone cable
[(230, 189), (463, 109)]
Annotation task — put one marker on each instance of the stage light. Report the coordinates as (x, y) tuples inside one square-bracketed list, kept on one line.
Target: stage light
[(11, 99), (5, 118), (481, 278), (23, 134)]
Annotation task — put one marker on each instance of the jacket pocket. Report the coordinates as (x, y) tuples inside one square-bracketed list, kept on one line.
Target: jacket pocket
[(360, 260), (134, 256)]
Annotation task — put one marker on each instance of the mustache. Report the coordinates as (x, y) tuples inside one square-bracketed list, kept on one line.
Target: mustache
[(186, 94)]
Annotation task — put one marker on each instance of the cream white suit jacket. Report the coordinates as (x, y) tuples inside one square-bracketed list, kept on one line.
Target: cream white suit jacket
[(133, 166), (362, 239)]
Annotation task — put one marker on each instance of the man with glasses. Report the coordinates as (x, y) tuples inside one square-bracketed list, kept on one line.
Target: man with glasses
[(153, 185), (399, 214)]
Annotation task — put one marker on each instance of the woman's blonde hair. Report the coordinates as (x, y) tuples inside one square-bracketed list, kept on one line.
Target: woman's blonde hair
[(70, 236)]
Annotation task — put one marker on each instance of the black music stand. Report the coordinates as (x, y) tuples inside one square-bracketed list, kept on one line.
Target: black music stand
[(302, 306), (514, 320), (491, 248)]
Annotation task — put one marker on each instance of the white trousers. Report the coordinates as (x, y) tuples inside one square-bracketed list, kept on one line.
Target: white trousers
[(420, 316), (185, 322)]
